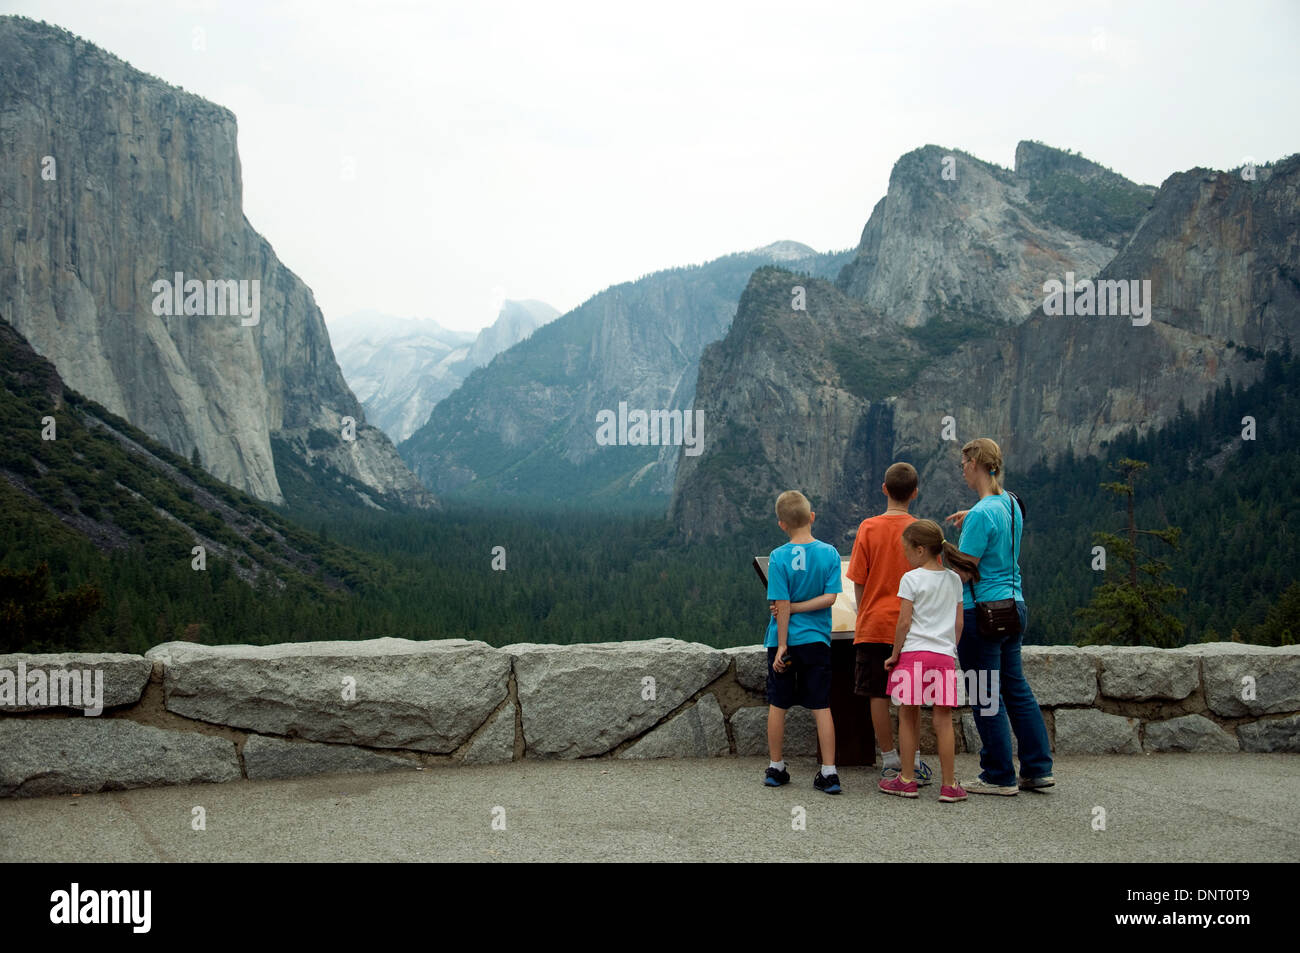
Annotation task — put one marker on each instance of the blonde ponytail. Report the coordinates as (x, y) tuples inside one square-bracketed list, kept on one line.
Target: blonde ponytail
[(988, 456)]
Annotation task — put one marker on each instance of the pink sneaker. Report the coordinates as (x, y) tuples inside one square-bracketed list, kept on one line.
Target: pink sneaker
[(898, 786), (950, 793)]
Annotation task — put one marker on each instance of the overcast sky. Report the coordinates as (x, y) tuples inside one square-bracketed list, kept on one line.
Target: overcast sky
[(550, 149)]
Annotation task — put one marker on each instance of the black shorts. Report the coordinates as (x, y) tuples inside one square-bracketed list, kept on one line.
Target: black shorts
[(806, 683), (869, 676)]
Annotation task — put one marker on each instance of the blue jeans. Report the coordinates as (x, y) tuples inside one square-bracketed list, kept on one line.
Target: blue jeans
[(1017, 709)]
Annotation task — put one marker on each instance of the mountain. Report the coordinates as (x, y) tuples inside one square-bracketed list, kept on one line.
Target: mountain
[(125, 258), (377, 326), (978, 243), (526, 425), (517, 320), (97, 499), (942, 333), (401, 367)]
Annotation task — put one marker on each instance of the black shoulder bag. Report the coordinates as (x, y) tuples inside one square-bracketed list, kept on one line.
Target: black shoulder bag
[(998, 620)]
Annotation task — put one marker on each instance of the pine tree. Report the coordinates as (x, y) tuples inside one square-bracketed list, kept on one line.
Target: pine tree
[(34, 618), (1282, 624), (1130, 610)]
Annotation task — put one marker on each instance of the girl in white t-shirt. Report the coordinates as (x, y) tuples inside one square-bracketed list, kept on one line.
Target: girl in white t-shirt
[(923, 666)]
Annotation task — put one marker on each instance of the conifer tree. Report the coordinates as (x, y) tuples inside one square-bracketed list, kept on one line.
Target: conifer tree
[(1129, 609)]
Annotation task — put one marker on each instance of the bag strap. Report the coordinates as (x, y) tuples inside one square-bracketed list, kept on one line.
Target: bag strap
[(1015, 554), (1014, 502)]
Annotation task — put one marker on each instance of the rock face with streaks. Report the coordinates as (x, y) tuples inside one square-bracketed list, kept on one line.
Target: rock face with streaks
[(115, 181), (942, 314), (955, 234)]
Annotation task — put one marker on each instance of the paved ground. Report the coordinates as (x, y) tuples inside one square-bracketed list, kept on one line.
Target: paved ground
[(1175, 807)]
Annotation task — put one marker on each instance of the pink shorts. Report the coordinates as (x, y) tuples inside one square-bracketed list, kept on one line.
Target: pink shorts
[(924, 678)]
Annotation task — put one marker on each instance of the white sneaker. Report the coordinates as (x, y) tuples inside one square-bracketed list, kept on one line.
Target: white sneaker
[(983, 787)]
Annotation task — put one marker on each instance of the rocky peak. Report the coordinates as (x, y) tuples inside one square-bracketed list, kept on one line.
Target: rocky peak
[(117, 181), (957, 238), (785, 251)]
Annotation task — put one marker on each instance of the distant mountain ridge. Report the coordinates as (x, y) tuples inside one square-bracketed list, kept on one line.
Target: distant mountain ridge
[(401, 367), (524, 427)]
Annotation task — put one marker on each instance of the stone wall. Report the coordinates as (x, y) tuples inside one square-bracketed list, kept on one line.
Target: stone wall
[(186, 713)]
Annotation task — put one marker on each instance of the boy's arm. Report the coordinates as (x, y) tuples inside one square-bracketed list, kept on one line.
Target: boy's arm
[(782, 632), (900, 630), (824, 601)]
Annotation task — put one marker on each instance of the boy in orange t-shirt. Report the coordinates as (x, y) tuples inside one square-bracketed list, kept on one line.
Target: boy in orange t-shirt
[(876, 566)]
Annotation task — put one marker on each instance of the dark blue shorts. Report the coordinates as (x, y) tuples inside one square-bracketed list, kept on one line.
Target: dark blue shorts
[(806, 683)]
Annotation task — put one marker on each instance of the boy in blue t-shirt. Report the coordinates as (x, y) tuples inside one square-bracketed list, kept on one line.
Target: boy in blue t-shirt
[(803, 578)]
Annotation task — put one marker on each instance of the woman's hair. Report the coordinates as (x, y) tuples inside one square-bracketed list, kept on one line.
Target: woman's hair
[(928, 534), (988, 455)]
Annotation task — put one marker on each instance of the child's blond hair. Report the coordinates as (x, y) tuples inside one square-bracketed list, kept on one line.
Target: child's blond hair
[(793, 509)]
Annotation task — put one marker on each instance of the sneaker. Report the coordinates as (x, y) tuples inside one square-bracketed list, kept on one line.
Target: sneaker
[(898, 786), (887, 774), (774, 778), (983, 787), (951, 793), (830, 784), (923, 774), (1033, 784)]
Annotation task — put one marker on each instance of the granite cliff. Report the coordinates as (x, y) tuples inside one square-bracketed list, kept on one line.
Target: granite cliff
[(958, 236), (115, 181), (525, 426), (956, 327)]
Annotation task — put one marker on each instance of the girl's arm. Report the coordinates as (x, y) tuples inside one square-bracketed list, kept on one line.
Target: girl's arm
[(961, 618), (900, 630)]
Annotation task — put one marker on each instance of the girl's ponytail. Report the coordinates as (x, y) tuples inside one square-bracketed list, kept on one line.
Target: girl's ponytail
[(954, 558)]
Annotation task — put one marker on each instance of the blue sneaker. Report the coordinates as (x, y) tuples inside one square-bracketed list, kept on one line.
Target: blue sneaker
[(774, 778), (829, 784), (923, 773)]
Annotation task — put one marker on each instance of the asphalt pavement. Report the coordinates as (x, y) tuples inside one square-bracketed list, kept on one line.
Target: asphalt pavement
[(1164, 807)]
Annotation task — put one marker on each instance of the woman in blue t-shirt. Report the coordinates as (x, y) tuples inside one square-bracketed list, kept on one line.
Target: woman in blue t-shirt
[(990, 532)]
